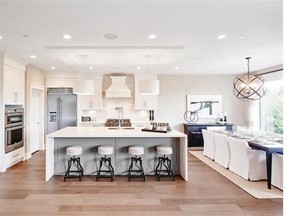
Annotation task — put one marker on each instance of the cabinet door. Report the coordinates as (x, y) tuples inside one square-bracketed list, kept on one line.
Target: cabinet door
[(59, 83), (149, 102), (144, 102), (89, 102), (14, 85), (19, 86), (8, 85), (97, 97), (86, 102)]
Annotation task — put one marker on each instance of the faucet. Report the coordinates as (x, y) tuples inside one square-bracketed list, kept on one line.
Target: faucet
[(120, 115)]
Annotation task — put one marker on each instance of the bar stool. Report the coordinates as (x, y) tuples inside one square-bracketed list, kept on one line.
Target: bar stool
[(136, 151), (74, 151), (164, 161), (105, 150)]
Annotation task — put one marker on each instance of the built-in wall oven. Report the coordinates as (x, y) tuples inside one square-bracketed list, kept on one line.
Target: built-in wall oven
[(14, 128)]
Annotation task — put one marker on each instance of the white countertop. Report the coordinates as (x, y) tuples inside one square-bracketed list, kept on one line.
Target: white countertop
[(78, 132)]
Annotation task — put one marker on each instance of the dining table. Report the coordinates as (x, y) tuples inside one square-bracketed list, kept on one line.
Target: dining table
[(270, 147), (268, 144)]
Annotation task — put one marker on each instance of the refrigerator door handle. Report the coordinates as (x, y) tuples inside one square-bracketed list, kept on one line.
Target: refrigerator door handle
[(60, 113)]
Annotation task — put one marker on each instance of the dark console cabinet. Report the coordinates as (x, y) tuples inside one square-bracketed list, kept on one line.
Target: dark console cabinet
[(194, 132)]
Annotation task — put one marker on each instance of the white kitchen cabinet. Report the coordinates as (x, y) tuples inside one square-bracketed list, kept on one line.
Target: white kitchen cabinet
[(59, 83), (14, 157), (92, 102), (144, 102), (14, 85)]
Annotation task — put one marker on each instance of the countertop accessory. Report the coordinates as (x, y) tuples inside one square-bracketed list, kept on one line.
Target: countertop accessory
[(191, 116)]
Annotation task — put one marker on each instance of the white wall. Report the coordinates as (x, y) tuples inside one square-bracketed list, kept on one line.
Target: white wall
[(35, 79), (172, 99), (174, 88)]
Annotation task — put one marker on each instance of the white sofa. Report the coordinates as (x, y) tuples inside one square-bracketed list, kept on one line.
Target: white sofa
[(246, 162)]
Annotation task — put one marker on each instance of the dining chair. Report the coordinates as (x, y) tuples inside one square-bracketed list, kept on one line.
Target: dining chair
[(277, 170), (222, 150), (246, 162), (208, 146), (216, 128)]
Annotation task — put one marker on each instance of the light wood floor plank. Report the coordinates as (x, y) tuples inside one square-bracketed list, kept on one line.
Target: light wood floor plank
[(23, 191)]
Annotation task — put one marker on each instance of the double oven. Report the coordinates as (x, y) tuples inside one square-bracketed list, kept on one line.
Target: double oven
[(14, 128)]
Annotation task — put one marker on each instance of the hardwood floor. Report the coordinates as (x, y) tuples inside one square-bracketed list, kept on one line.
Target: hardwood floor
[(23, 191)]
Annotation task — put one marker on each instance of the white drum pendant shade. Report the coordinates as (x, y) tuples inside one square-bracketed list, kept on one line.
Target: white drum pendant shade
[(83, 87), (149, 87)]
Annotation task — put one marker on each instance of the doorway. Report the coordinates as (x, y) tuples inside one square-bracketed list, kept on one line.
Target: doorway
[(36, 120)]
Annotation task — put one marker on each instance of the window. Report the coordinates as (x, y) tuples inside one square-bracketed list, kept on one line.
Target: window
[(271, 108)]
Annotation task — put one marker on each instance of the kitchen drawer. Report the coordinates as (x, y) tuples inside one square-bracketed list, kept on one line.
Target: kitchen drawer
[(14, 157)]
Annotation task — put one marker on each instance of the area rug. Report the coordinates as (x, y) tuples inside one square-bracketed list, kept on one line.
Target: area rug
[(257, 189)]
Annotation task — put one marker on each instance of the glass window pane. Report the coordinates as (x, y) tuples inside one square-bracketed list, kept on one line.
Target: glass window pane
[(271, 108)]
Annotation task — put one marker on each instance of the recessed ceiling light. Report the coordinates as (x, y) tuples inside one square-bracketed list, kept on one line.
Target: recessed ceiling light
[(0, 37), (138, 68), (33, 56), (242, 36), (25, 35), (52, 68), (91, 68), (152, 36), (67, 36), (220, 37), (176, 67), (110, 36)]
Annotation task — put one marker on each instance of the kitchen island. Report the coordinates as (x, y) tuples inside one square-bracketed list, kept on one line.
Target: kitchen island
[(92, 137)]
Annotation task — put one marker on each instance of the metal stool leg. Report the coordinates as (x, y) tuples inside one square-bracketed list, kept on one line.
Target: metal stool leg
[(110, 169), (139, 170), (166, 162), (80, 171)]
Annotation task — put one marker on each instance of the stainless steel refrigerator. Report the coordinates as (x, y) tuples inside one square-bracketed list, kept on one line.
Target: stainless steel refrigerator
[(62, 108)]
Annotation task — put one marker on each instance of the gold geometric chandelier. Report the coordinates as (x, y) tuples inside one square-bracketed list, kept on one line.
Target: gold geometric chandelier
[(249, 87)]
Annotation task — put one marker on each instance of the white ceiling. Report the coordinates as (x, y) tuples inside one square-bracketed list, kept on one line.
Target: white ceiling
[(186, 31)]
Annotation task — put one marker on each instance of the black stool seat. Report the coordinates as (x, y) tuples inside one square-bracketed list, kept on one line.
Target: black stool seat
[(74, 151)]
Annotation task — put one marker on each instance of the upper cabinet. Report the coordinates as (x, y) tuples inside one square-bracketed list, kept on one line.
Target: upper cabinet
[(59, 83), (14, 85), (92, 102), (144, 102)]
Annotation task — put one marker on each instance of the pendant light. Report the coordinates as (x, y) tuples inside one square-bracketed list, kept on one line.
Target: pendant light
[(249, 87), (149, 86), (82, 86)]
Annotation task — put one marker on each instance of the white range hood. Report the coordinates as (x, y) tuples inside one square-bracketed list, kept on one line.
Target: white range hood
[(118, 88)]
